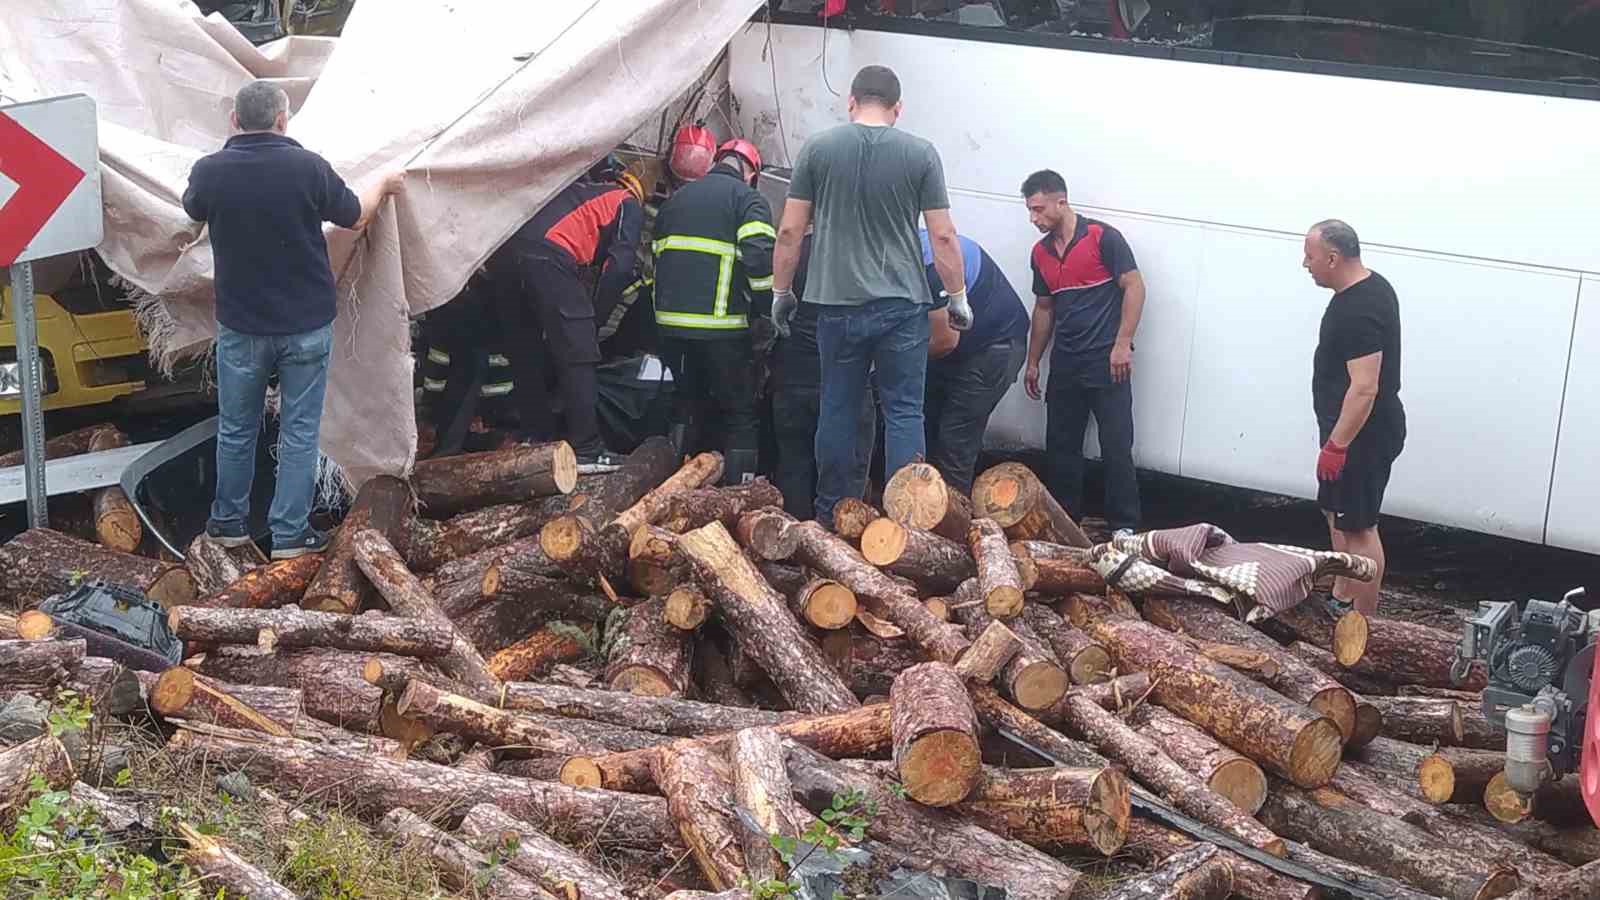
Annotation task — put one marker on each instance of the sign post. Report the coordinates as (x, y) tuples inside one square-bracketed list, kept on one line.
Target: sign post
[(49, 204)]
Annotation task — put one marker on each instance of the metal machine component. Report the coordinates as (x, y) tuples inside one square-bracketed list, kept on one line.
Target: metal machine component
[(1527, 748)]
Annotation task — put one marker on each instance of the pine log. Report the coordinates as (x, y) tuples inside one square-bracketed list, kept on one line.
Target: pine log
[(1560, 802), (998, 577), (221, 868), (935, 564), (1471, 698), (654, 566), (431, 544), (648, 655), (1118, 695), (935, 734), (665, 715), (1421, 720), (824, 603), (292, 627), (39, 563), (1152, 843), (1346, 639), (1575, 846), (1224, 771), (383, 503), (1054, 808), (1477, 731), (560, 642), (1325, 662), (760, 619), (1145, 758), (406, 596), (686, 608), (702, 506), (598, 498), (278, 583), (870, 665), (1407, 653), (1084, 661), (462, 585), (600, 547), (1079, 609), (766, 534), (963, 848), (35, 665), (214, 566), (851, 516), (452, 485), (73, 443), (112, 689), (1015, 498), (1201, 872), (8, 627), (42, 757), (1294, 678), (180, 693), (1333, 823), (1033, 678), (463, 867), (1369, 724), (1443, 775), (331, 681), (116, 524), (454, 714), (531, 852), (1578, 884), (698, 784), (1280, 734), (761, 790), (1036, 737), (918, 497), (1056, 578)]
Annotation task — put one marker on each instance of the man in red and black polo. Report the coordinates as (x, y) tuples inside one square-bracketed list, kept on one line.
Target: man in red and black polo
[(1088, 297)]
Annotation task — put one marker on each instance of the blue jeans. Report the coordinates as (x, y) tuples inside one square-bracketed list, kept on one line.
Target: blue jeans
[(244, 364), (892, 337)]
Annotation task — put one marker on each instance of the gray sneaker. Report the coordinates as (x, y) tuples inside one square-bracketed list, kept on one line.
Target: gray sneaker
[(227, 535), (313, 541)]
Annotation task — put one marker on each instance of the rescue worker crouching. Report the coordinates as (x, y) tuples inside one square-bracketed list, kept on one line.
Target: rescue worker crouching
[(713, 271)]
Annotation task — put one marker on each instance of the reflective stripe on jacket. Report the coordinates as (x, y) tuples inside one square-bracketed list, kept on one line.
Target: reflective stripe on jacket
[(713, 245)]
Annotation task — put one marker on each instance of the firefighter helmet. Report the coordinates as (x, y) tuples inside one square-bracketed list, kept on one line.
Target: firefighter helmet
[(692, 150), (745, 151)]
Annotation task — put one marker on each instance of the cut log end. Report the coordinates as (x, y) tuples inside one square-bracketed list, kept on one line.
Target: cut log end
[(564, 467), (686, 608), (941, 767), (1315, 755), (1091, 665), (1242, 782), (641, 680), (1437, 779), (916, 496), (1338, 704), (883, 542), (1105, 817), (1369, 724), (996, 494), (34, 625), (580, 771), (939, 606), (1504, 803), (1350, 638), (1004, 602), (1039, 685), (174, 588), (561, 538), (829, 605)]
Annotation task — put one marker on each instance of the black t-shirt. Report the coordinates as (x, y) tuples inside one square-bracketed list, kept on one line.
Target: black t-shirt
[(796, 361), (1361, 320)]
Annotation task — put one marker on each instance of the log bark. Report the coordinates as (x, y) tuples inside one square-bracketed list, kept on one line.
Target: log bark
[(649, 656), (1152, 844), (999, 580), (40, 562), (1054, 808), (35, 665), (431, 544), (73, 443), (1033, 678), (1560, 802), (601, 548), (1056, 578), (217, 865), (766, 534), (42, 757), (698, 785), (1477, 731), (1225, 771), (824, 603), (383, 503), (851, 516), (334, 689), (1326, 663), (1578, 884), (1332, 823), (34, 625), (278, 583), (1085, 661), (1346, 638), (406, 596), (1079, 609), (504, 731), (1117, 695), (535, 654), (1369, 724), (761, 789), (665, 715), (453, 485), (935, 734), (371, 783), (1407, 653), (514, 570), (1201, 872), (1421, 720), (700, 507), (180, 693), (536, 855), (965, 849), (870, 665), (463, 867), (760, 620), (1443, 775), (369, 631), (111, 688), (917, 497), (935, 564), (1294, 678), (1154, 767), (1574, 846), (1015, 498), (1280, 734), (214, 566)]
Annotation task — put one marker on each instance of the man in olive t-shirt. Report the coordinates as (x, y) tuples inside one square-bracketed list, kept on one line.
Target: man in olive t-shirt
[(867, 184)]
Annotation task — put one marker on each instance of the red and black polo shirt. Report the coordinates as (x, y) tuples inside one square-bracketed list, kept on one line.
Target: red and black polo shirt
[(1083, 282)]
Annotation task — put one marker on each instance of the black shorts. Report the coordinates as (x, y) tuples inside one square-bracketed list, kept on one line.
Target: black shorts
[(1357, 496)]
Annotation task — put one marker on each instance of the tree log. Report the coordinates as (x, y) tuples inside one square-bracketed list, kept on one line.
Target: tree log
[(665, 715), (1152, 843), (761, 789), (27, 665), (39, 563), (1084, 661), (598, 498), (766, 534), (1332, 823), (702, 506), (1117, 695), (1015, 498), (534, 854), (331, 681), (463, 867), (870, 665), (1295, 678), (1057, 578), (452, 485), (851, 516), (556, 643), (406, 596), (654, 566), (214, 566), (824, 603), (1224, 771), (935, 734), (292, 627), (760, 619), (278, 583), (1407, 653), (73, 443), (1033, 678), (383, 503), (1422, 720), (1574, 846), (1280, 734), (1369, 724), (698, 785), (1444, 775), (112, 689), (964, 848), (1054, 808), (1477, 731), (432, 544), (686, 608), (1578, 884), (998, 577), (917, 497), (1201, 872), (601, 548), (935, 564), (1560, 802), (42, 757), (1325, 663), (217, 865), (649, 656), (461, 585), (475, 721), (1346, 639), (180, 693)]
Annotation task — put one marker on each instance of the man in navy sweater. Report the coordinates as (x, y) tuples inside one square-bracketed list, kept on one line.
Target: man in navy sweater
[(264, 199)]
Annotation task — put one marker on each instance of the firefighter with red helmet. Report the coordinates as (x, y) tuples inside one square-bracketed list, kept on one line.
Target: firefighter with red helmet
[(713, 246)]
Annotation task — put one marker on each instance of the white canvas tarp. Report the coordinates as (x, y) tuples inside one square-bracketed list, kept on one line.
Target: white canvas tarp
[(491, 107)]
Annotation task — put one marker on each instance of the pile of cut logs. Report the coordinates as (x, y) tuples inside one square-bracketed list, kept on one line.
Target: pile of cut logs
[(499, 648)]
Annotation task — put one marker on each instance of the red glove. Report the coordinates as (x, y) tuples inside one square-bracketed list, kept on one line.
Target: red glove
[(1330, 462)]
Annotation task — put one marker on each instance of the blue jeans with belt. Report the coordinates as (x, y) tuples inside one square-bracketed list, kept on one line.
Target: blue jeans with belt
[(245, 362), (890, 336)]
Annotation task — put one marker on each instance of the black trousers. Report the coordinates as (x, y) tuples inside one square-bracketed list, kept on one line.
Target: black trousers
[(714, 391), (961, 395), (549, 321), (1070, 401), (795, 411)]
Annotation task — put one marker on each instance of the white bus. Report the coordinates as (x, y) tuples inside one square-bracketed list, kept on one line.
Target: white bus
[(1461, 139)]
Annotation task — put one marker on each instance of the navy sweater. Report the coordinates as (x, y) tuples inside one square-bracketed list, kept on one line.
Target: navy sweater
[(264, 198)]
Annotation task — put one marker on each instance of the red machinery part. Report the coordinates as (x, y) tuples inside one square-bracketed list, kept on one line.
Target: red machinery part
[(1589, 769)]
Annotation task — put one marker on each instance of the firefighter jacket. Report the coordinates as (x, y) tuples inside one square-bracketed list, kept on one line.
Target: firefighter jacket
[(713, 244), (593, 225)]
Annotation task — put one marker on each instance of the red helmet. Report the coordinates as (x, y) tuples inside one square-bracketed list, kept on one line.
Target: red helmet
[(692, 149), (745, 150)]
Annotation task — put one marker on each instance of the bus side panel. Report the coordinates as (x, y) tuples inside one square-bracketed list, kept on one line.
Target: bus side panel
[(1575, 494)]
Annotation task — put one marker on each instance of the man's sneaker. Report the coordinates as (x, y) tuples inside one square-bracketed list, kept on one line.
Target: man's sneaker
[(1333, 606), (313, 541), (227, 535), (598, 463)]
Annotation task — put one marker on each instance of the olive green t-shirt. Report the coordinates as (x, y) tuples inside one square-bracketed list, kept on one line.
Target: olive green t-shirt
[(868, 186)]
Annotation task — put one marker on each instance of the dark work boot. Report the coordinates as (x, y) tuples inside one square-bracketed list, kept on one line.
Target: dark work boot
[(738, 466)]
